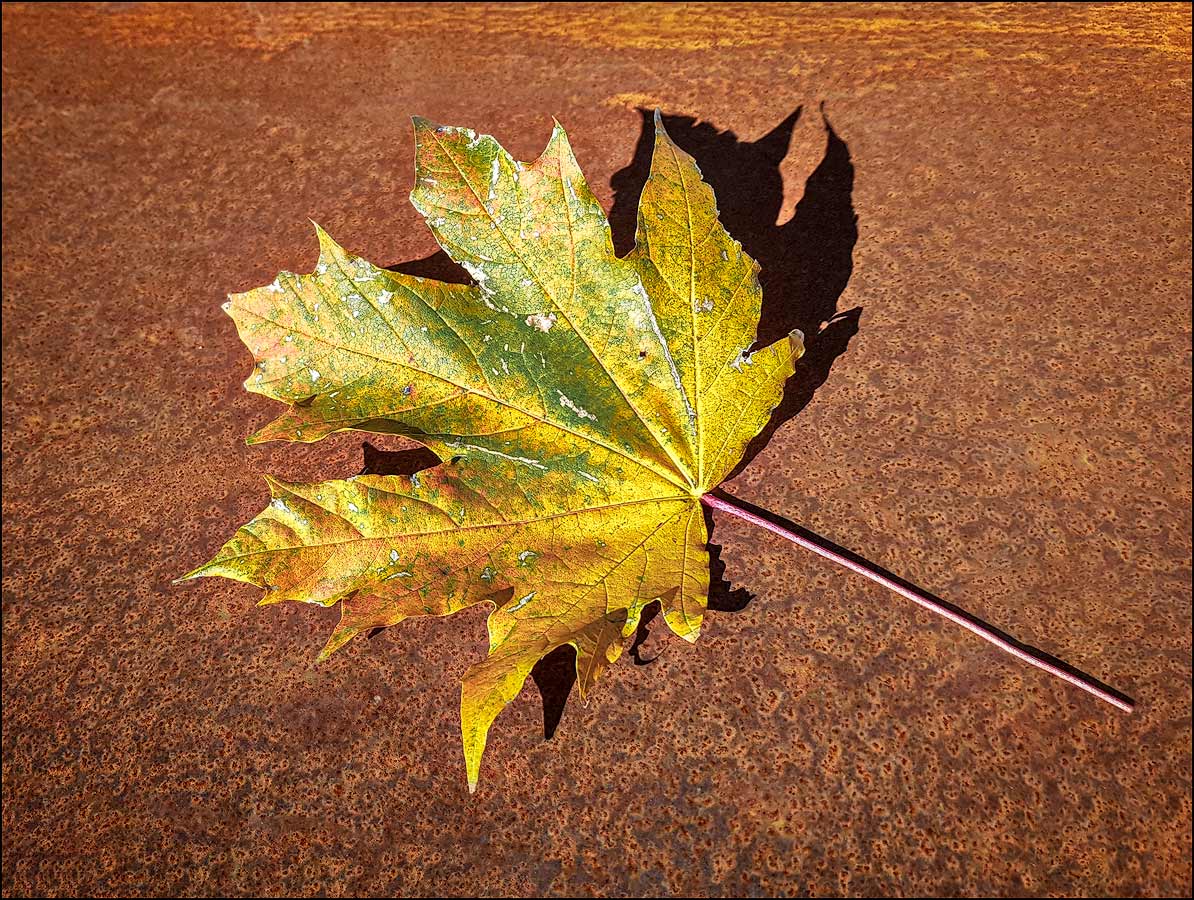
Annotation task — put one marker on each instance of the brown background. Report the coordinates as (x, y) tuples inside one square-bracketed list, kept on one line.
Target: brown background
[(1009, 427)]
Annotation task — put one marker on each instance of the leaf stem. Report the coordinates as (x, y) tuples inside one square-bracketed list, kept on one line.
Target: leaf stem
[(1027, 654)]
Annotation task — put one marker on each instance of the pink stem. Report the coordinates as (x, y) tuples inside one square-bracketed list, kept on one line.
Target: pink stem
[(1028, 655)]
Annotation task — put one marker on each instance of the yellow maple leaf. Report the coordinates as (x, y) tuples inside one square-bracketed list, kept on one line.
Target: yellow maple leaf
[(582, 404)]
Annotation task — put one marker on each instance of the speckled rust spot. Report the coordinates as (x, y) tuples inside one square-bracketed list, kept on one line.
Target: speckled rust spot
[(1007, 423)]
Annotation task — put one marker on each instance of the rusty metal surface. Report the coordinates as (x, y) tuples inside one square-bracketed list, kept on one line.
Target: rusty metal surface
[(1007, 422)]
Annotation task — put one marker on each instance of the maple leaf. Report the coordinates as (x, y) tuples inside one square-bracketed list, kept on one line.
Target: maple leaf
[(582, 403), (584, 406)]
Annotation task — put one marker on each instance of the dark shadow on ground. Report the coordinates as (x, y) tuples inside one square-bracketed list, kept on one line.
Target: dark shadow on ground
[(554, 676), (438, 265), (396, 462)]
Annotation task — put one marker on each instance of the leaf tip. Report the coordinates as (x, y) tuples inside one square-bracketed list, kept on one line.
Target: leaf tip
[(796, 341), (339, 638), (559, 136), (197, 572), (422, 126), (328, 248), (660, 131), (275, 486)]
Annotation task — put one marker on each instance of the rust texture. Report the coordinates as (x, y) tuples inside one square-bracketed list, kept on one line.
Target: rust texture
[(1006, 422)]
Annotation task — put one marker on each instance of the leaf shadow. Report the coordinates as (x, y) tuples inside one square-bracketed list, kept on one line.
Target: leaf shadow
[(554, 675), (806, 263), (396, 462)]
